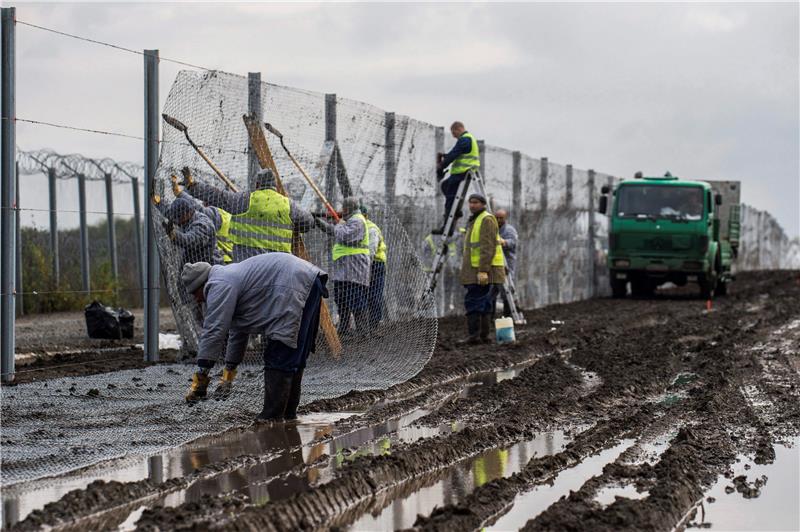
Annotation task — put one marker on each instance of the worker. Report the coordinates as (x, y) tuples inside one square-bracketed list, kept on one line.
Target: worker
[(482, 269), (463, 157), (377, 275), (276, 295), (262, 221), (351, 265), (221, 220), (189, 229), (508, 238)]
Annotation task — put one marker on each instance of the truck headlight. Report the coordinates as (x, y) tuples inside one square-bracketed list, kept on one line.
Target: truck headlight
[(622, 263)]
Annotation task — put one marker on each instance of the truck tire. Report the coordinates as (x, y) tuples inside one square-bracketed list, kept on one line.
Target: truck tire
[(619, 288), (641, 288)]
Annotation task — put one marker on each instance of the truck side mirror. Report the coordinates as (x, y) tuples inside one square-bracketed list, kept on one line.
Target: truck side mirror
[(718, 199), (605, 189), (603, 206)]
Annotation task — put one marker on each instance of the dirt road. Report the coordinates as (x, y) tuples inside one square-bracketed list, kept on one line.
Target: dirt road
[(606, 415)]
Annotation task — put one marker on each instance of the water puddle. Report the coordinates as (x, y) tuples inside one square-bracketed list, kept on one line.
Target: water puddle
[(458, 482), (528, 505), (765, 499), (609, 494), (489, 378)]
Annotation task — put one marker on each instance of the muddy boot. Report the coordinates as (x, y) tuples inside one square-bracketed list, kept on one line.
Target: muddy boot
[(473, 330), (485, 326), (199, 388), (294, 397), (276, 394), (223, 389)]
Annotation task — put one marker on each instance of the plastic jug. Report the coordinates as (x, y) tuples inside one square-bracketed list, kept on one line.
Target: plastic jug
[(504, 330)]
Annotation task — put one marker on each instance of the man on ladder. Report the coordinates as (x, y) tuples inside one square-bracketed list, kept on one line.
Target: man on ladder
[(464, 157)]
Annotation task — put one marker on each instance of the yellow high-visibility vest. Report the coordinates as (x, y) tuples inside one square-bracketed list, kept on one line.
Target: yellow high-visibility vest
[(475, 244), (380, 254), (362, 248), (224, 243), (266, 224), (467, 161)]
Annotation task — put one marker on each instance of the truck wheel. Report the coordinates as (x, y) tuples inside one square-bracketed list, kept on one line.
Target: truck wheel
[(619, 288), (641, 288)]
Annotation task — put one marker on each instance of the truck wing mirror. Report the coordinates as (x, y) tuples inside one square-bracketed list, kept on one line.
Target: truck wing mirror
[(718, 199), (603, 206), (605, 189)]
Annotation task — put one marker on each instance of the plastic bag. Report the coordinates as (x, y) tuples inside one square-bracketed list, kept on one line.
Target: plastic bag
[(108, 323)]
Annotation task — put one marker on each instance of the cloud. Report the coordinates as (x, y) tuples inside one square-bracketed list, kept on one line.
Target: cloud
[(714, 20)]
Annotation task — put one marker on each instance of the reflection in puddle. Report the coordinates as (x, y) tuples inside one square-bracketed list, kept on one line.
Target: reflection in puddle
[(609, 494), (460, 481), (775, 508), (531, 503)]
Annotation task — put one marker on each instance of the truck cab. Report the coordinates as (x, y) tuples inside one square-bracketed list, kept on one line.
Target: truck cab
[(665, 229)]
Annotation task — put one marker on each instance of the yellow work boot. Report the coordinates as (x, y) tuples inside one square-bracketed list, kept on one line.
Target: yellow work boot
[(223, 389), (199, 387)]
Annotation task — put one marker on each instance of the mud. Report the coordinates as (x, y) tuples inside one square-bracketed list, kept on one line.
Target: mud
[(683, 393)]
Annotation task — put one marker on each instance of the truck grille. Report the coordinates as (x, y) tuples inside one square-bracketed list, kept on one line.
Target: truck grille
[(661, 243)]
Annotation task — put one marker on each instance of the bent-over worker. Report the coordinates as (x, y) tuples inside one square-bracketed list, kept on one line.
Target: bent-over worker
[(482, 269), (189, 229), (276, 295)]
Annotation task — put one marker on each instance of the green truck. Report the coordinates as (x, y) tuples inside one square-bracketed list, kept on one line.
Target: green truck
[(666, 229)]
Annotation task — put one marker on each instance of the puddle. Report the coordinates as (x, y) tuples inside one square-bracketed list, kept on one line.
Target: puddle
[(528, 505), (609, 494), (489, 378), (774, 508), (461, 480)]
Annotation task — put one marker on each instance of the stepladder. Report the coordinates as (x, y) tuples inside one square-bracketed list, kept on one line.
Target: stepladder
[(508, 289)]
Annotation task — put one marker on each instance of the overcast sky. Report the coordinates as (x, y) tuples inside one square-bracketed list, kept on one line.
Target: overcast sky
[(703, 90)]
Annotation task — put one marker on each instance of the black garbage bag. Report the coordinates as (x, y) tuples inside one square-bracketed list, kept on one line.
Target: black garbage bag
[(108, 323)]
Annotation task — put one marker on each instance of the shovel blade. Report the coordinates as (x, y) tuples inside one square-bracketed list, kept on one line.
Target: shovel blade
[(269, 127), (174, 122)]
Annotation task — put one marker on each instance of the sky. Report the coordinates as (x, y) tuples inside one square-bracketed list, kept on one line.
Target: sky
[(702, 90)]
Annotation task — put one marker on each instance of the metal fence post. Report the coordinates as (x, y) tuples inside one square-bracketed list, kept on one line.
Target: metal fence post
[(8, 145), (112, 234), (516, 186), (544, 172), (51, 185), (482, 151), (569, 197), (85, 266), (390, 159), (151, 136), (18, 225), (590, 240), (137, 234), (330, 135), (439, 147), (254, 107)]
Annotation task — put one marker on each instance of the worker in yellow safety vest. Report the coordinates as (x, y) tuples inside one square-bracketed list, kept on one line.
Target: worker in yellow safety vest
[(377, 277), (482, 269), (261, 221), (463, 157), (351, 265)]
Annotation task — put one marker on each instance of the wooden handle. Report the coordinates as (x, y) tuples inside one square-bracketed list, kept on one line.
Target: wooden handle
[(217, 171)]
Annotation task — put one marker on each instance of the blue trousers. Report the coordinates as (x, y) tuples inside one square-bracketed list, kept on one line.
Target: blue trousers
[(375, 292), (478, 299), (449, 188), (280, 356)]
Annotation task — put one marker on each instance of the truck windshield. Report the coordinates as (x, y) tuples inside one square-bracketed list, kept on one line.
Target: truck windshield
[(643, 201)]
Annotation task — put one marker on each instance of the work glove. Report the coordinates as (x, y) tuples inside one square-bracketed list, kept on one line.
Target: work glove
[(439, 173), (483, 278), (176, 189), (502, 242), (188, 180), (156, 199)]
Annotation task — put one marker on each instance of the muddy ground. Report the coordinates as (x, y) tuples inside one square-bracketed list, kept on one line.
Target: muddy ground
[(663, 397)]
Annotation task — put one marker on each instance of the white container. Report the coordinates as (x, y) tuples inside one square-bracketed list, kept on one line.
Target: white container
[(504, 330)]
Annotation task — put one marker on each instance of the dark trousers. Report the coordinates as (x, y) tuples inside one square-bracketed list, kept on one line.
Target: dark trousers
[(478, 299), (375, 292), (449, 188), (281, 357), (351, 299), (498, 291)]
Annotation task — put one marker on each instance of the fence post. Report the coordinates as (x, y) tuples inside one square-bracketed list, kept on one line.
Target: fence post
[(112, 233), (151, 136), (569, 198), (590, 240), (18, 225), (439, 147), (85, 266), (137, 235), (8, 145), (482, 151), (330, 135), (544, 171), (516, 186), (253, 107), (390, 159), (51, 185)]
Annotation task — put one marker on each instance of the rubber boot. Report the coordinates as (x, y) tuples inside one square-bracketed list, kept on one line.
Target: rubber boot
[(276, 394), (473, 330), (199, 387), (294, 397), (225, 386), (485, 326)]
